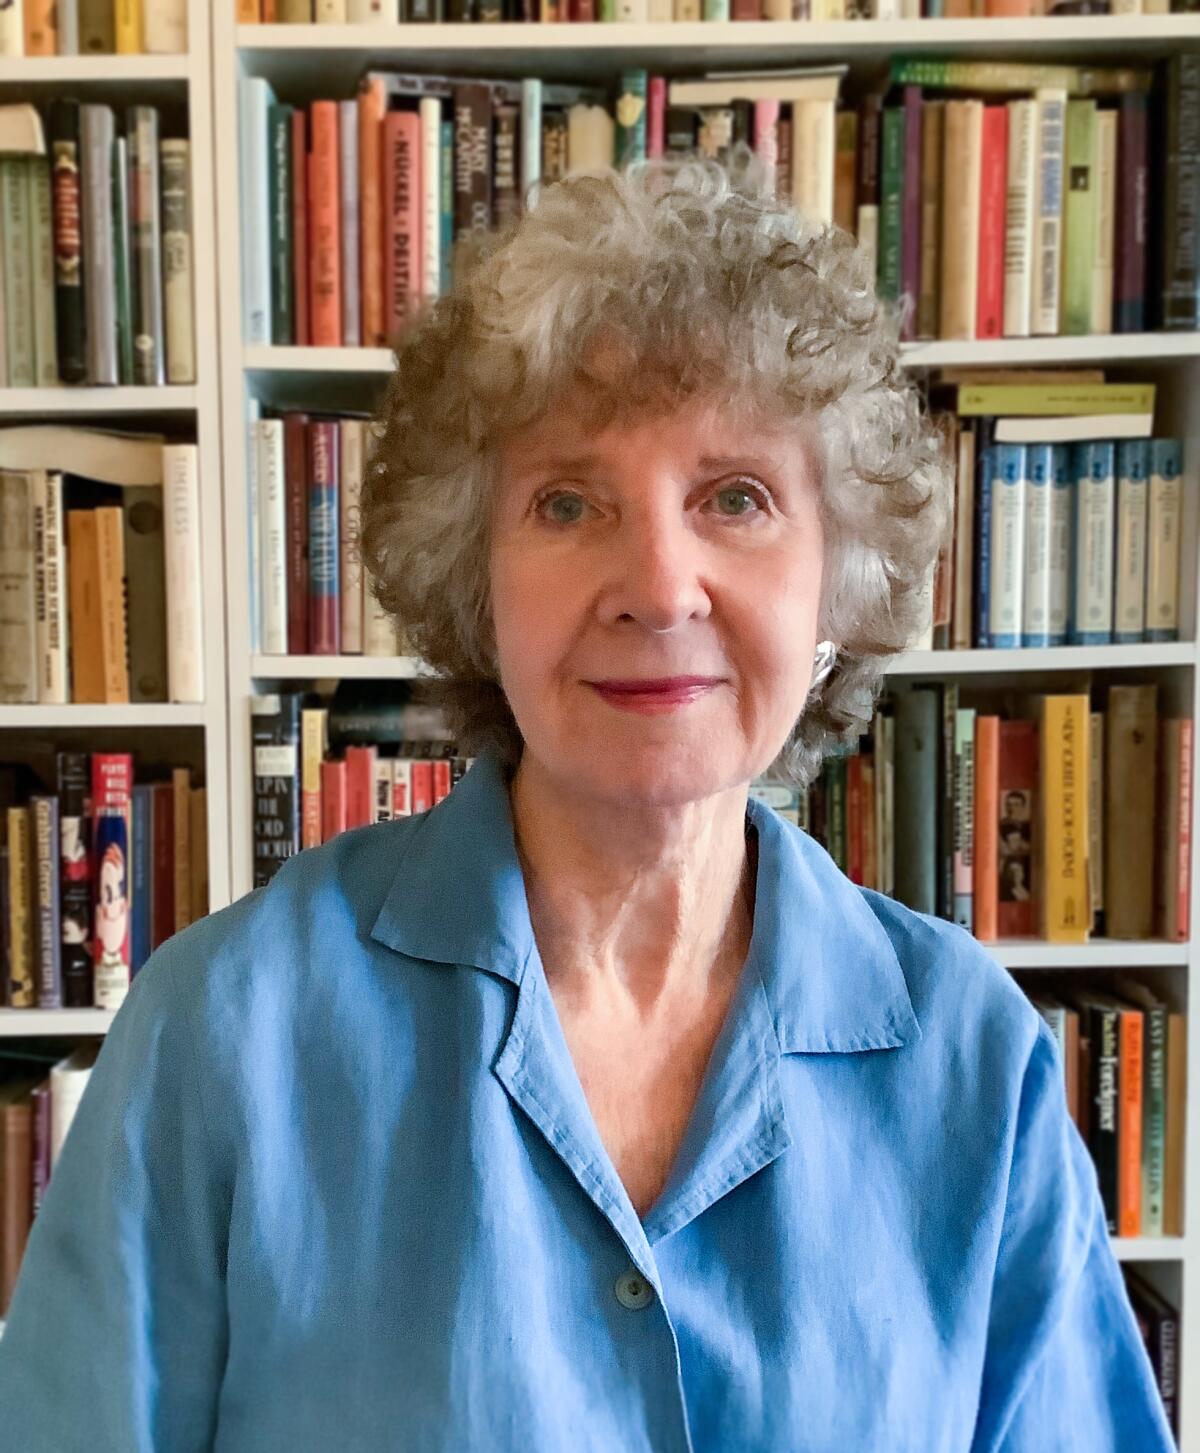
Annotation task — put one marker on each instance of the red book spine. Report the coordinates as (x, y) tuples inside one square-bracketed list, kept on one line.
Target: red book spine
[(162, 910), (422, 786), (993, 193), (746, 10), (656, 116), (854, 819), (300, 224), (402, 787), (324, 596), (325, 228), (581, 10), (1016, 793), (295, 471), (441, 780), (360, 786), (333, 799), (402, 217), (372, 106), (112, 792), (1183, 896)]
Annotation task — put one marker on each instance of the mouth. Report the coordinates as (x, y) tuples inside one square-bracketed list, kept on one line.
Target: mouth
[(654, 694)]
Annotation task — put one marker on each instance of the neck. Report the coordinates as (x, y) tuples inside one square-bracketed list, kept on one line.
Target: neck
[(635, 907)]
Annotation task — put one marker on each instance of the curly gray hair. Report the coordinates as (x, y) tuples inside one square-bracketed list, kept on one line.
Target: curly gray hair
[(639, 289)]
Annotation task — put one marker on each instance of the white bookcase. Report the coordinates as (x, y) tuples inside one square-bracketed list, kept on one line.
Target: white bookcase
[(196, 734), (307, 62)]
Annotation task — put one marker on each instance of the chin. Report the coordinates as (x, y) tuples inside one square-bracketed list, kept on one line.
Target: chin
[(652, 773)]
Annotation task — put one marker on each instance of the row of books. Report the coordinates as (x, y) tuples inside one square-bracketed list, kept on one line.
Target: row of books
[(306, 790), (100, 567), (1123, 1050), (95, 248), (93, 27), (657, 12), (1052, 817), (309, 591), (1158, 1322), (96, 870), (1060, 535)]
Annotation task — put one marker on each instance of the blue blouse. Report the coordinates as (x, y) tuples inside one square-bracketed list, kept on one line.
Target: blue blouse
[(334, 1184)]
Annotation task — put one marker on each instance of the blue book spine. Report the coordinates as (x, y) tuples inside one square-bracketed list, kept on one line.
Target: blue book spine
[(1095, 537), (1129, 567), (1062, 532), (143, 844), (446, 209), (1006, 566), (1162, 540), (983, 524), (1035, 608)]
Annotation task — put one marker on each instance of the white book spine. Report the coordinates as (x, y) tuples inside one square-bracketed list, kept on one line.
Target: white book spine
[(164, 26), (96, 150), (1106, 221), (348, 184), (1095, 522), (384, 773), (45, 343), (330, 12), (68, 1081), (50, 586), (350, 564), (662, 12), (255, 97), (1129, 611), (1062, 523), (813, 142), (633, 10), (12, 28), (868, 235), (1018, 217), (431, 200), (273, 536), (1162, 542), (369, 12), (1035, 610), (179, 309), (68, 27), (531, 134), (1007, 542), (254, 549), (1047, 236), (181, 549)]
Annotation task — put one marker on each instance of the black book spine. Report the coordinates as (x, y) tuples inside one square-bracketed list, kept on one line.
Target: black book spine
[(1105, 1079), (75, 878), (1181, 195), (275, 744), (69, 311)]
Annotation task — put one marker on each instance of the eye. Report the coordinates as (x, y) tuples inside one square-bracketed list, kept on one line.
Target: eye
[(560, 506), (735, 500)]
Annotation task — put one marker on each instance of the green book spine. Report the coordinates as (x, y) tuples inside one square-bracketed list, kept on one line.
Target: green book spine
[(16, 237), (1154, 1120), (713, 9), (45, 343), (279, 217), (891, 216), (630, 134), (1079, 216), (121, 275)]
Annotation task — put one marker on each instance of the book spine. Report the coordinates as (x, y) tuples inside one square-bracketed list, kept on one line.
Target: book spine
[(45, 347), (334, 815), (51, 600), (430, 172), (22, 978), (1097, 747), (279, 213), (127, 23), (112, 784), (888, 280), (323, 552), (43, 811), (1105, 1065), (989, 308), (96, 133), (12, 29), (1062, 522), (985, 474), (960, 218), (631, 117), (867, 180), (275, 739), (1130, 776), (97, 34), (254, 98), (1181, 890), (272, 537), (1079, 216), (141, 866), (911, 210), (1047, 233), (181, 546), (401, 787), (72, 780), (162, 908), (295, 457), (18, 587), (472, 159), (110, 553), (916, 798), (63, 127), (1065, 892), (254, 547), (986, 820), (446, 207), (1095, 522), (313, 746), (68, 27), (1019, 217), (372, 106), (1155, 1123), (932, 144), (1104, 253), (402, 218), (125, 278), (41, 27), (179, 312), (1132, 215), (349, 218), (1039, 490), (164, 27), (964, 817), (351, 574), (1129, 610), (1129, 1130), (360, 785), (1007, 553), (324, 261), (16, 245), (383, 786), (148, 341), (1180, 301), (298, 168), (1163, 540)]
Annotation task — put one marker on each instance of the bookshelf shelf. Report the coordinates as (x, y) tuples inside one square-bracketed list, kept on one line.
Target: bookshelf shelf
[(1044, 658), (89, 714), (99, 70), (1149, 1248), (174, 398), (64, 1022), (321, 668), (1098, 954)]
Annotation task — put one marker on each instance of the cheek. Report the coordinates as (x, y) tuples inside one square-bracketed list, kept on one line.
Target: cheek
[(531, 609)]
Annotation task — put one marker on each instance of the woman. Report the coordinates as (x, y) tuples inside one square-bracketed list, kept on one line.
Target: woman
[(596, 1109)]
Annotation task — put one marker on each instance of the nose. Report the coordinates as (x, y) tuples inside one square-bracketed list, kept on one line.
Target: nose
[(654, 573)]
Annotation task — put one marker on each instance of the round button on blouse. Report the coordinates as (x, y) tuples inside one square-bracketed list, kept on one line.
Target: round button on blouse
[(633, 1290)]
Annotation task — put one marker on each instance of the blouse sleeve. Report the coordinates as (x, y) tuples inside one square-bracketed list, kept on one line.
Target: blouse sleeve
[(1065, 1364), (116, 1333)]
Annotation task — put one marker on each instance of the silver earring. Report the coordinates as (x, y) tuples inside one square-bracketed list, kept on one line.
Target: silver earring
[(823, 660)]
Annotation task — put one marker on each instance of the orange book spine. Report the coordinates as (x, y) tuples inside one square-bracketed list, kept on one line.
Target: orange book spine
[(372, 105), (401, 217), (83, 608), (987, 817), (41, 28), (324, 228), (1182, 885), (1129, 1130), (249, 12), (110, 552)]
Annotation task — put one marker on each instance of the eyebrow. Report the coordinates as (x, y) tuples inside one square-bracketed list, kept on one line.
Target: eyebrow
[(706, 461)]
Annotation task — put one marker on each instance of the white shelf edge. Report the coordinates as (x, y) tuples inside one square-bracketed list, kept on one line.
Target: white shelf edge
[(320, 668), (752, 35), (97, 714), (14, 1022), (1149, 1248), (1140, 656), (1098, 954), (106, 70), (118, 400), (274, 359)]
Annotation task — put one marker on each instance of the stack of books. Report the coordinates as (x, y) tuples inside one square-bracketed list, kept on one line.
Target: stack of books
[(1158, 1322), (95, 248)]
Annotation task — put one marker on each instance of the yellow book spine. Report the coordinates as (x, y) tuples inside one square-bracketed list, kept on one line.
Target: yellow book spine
[(1066, 906), (21, 993), (127, 17)]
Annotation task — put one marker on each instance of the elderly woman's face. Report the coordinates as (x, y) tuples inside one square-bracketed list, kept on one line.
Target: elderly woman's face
[(685, 551)]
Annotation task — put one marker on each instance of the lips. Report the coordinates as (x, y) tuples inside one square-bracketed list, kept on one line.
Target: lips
[(654, 694), (653, 684)]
